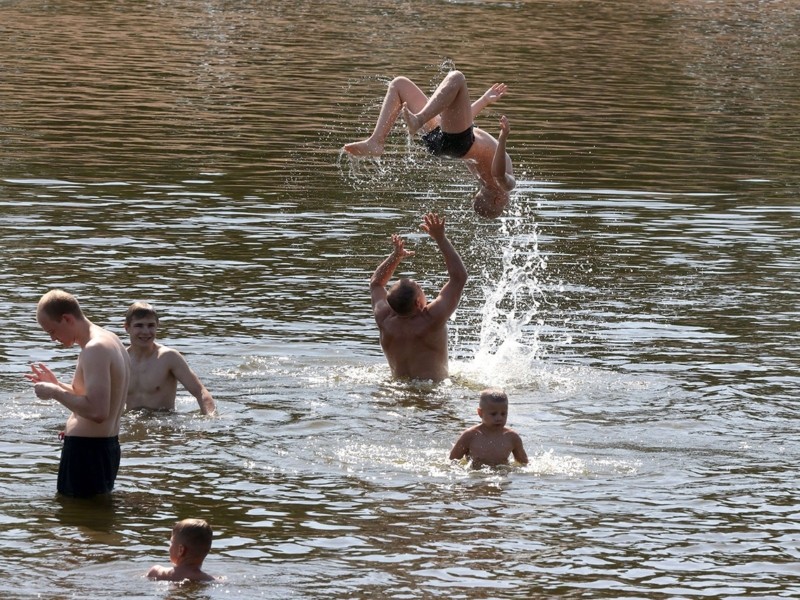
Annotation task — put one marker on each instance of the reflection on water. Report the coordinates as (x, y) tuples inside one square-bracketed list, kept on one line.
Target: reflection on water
[(637, 301)]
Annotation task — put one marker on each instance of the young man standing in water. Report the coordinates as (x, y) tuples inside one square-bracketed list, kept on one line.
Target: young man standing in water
[(90, 455), (157, 369), (446, 120), (414, 331)]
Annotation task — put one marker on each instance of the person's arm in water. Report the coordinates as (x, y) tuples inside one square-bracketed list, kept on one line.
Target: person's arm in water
[(384, 272), (446, 302), (502, 171), (461, 448), (490, 96), (518, 451), (189, 380)]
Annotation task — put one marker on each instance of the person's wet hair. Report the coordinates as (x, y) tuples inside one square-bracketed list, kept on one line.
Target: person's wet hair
[(196, 534), (488, 205), (493, 396), (402, 297), (57, 303), (140, 310)]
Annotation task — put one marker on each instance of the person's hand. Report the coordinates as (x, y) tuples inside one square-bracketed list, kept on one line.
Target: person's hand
[(433, 225), (494, 93), (505, 126), (400, 247), (40, 373)]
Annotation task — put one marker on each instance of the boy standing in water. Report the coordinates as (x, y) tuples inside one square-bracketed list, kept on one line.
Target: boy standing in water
[(491, 442), (414, 331), (188, 548), (90, 455), (446, 120), (157, 369)]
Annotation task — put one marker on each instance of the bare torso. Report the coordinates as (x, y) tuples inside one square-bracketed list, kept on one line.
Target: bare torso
[(153, 384), (490, 445), (119, 378), (480, 156), (414, 346)]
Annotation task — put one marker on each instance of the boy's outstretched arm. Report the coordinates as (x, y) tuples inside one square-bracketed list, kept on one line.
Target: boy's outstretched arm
[(490, 96), (502, 171)]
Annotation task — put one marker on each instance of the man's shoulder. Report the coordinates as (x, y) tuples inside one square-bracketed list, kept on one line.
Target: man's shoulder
[(410, 326)]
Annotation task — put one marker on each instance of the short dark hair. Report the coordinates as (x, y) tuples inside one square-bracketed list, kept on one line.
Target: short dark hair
[(493, 395), (195, 534), (140, 310), (402, 296), (57, 303)]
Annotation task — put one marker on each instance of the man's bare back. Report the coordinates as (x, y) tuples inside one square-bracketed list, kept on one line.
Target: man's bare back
[(415, 346)]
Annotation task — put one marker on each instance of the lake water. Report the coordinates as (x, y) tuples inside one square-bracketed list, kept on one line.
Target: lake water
[(638, 301)]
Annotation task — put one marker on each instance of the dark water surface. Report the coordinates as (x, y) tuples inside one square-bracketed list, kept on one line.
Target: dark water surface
[(638, 301)]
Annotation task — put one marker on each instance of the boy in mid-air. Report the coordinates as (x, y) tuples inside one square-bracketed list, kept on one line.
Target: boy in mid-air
[(491, 442), (156, 369), (189, 546), (446, 122)]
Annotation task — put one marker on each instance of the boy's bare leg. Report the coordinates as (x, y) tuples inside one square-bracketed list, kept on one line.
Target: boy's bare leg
[(450, 102), (402, 91)]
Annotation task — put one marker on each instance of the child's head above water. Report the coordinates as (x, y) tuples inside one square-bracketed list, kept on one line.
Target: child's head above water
[(493, 408), (192, 534)]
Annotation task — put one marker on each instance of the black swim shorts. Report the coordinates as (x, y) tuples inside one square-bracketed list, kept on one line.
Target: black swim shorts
[(88, 466), (449, 145)]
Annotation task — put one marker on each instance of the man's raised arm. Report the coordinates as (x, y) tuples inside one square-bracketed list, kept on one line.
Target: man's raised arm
[(447, 301), (384, 272)]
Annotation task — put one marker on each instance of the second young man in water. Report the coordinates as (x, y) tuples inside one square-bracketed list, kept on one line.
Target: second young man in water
[(414, 331), (157, 369)]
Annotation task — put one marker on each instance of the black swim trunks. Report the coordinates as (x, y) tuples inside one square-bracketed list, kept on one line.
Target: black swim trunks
[(449, 145), (88, 466)]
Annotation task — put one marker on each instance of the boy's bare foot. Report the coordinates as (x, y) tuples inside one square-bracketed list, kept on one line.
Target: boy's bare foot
[(412, 121), (364, 148)]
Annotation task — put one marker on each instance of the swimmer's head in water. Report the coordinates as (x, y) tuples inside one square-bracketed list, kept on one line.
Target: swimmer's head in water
[(405, 296), (490, 203)]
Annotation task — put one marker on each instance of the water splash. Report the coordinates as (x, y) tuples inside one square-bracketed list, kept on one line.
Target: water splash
[(514, 290)]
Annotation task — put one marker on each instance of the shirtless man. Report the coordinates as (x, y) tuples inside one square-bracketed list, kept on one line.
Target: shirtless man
[(90, 455), (491, 442), (446, 120), (414, 331), (157, 369)]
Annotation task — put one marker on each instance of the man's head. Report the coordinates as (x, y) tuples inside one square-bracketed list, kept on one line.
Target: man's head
[(141, 323), (406, 297), (57, 313), (493, 407), (191, 539), (489, 203), (140, 310)]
